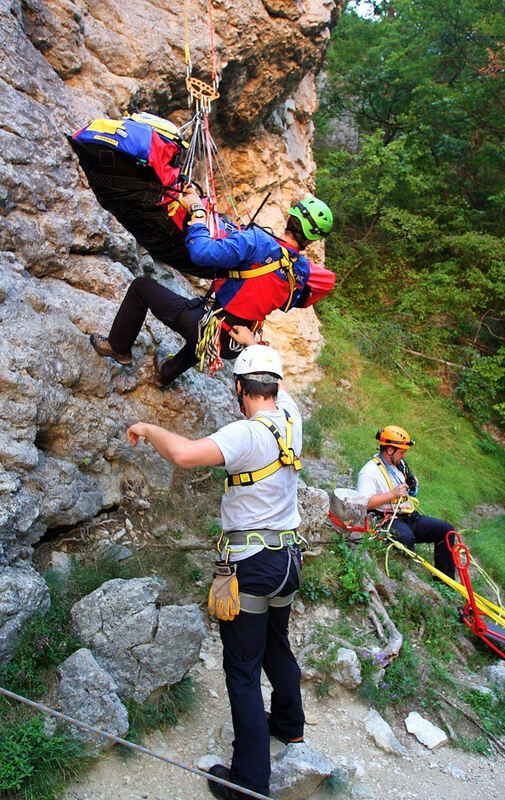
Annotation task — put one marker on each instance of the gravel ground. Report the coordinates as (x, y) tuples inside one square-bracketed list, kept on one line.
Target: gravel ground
[(335, 725)]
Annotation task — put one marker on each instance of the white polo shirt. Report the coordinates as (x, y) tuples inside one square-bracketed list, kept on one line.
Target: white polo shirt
[(371, 481), (246, 446)]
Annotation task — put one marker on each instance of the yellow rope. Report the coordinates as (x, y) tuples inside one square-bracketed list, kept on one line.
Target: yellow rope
[(496, 613)]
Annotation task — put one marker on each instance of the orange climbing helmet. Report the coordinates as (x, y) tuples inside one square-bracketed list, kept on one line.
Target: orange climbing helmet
[(394, 436)]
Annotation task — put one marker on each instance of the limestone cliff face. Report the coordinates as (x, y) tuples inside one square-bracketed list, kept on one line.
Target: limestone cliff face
[(65, 262)]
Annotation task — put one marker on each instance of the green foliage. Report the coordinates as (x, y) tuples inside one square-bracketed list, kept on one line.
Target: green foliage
[(196, 574), (314, 591), (439, 623), (165, 710), (486, 545), (418, 240), (458, 466), (339, 577), (477, 744), (399, 683), (34, 766), (489, 708), (45, 640), (312, 438)]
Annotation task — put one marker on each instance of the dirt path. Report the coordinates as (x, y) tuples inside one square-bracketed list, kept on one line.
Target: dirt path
[(335, 726)]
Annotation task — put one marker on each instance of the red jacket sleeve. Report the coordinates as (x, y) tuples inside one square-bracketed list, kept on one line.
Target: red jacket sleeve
[(320, 282)]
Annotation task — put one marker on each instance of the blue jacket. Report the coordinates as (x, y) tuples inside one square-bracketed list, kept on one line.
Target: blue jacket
[(248, 298)]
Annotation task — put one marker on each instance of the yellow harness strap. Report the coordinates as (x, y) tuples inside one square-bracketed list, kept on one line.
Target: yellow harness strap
[(285, 262), (412, 506), (287, 457)]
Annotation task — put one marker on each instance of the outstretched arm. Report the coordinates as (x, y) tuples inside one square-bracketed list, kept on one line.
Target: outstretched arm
[(177, 449)]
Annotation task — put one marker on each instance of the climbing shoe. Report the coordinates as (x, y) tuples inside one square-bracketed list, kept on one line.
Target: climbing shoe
[(217, 789), (274, 731), (101, 345), (160, 358)]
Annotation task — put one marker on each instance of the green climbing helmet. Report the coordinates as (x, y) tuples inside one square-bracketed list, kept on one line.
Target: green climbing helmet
[(315, 217)]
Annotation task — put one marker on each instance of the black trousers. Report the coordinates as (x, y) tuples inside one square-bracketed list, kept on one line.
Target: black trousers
[(179, 313), (412, 528), (252, 642)]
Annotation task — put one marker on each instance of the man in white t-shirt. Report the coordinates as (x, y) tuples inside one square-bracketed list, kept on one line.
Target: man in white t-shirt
[(259, 519), (386, 480)]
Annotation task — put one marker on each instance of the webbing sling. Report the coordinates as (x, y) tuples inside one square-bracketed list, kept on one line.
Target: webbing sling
[(412, 506), (285, 262), (287, 456)]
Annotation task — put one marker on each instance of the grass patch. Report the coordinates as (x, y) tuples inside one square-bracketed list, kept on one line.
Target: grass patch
[(339, 577), (165, 710), (34, 766), (486, 544), (452, 459)]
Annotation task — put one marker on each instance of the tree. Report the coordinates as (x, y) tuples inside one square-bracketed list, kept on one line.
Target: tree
[(419, 206)]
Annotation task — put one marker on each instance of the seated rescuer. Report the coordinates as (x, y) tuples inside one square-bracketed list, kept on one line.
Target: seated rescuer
[(245, 301), (260, 547), (385, 480)]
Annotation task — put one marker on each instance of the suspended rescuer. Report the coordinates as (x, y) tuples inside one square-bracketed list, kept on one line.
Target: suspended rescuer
[(259, 570), (260, 273), (386, 480)]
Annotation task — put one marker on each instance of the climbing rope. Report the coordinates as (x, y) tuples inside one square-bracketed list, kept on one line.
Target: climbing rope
[(208, 349), (493, 611), (131, 745)]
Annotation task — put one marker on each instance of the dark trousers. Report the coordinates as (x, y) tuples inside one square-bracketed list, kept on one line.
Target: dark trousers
[(253, 641), (179, 313), (412, 528), (174, 310)]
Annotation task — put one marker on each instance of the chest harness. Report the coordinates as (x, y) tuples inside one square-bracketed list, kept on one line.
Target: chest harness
[(413, 503), (272, 540), (208, 347)]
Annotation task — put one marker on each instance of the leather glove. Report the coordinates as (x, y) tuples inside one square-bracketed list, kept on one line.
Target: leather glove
[(190, 199), (224, 602)]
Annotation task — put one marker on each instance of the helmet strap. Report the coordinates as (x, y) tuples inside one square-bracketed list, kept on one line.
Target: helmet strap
[(240, 396), (294, 227)]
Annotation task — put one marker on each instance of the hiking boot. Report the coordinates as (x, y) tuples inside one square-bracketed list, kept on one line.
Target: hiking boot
[(220, 791), (101, 345), (160, 358)]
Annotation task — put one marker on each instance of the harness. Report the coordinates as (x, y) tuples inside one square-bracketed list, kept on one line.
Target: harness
[(287, 456), (208, 348), (412, 504), (285, 262), (272, 540)]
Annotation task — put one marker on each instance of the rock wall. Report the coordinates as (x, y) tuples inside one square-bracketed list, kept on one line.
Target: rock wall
[(65, 263)]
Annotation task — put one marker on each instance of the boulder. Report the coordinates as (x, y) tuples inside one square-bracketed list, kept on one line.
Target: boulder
[(426, 732), (382, 734), (297, 771), (348, 506), (347, 669), (87, 693), (313, 505), (496, 675), (142, 646), (23, 593)]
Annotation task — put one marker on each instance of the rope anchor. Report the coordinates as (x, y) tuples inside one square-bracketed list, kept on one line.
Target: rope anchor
[(201, 91)]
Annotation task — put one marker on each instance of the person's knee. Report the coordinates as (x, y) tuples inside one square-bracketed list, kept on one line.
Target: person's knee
[(405, 536), (140, 285)]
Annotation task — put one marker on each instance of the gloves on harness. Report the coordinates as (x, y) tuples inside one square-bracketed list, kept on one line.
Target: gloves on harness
[(224, 602)]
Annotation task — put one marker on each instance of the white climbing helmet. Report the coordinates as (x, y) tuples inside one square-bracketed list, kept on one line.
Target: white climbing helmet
[(260, 363)]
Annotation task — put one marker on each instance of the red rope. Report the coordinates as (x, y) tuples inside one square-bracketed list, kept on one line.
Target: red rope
[(212, 46), (341, 524)]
